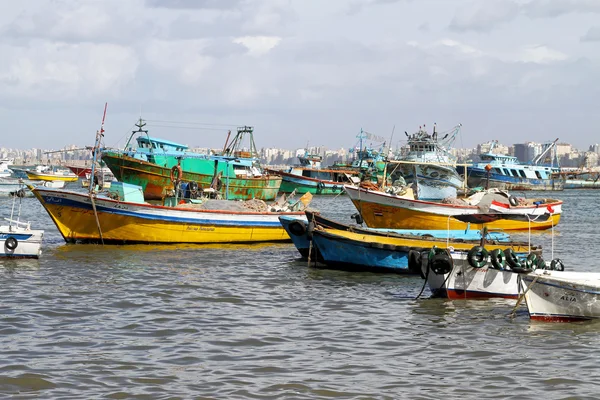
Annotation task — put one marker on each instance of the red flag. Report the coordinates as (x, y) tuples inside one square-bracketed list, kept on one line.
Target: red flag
[(549, 208)]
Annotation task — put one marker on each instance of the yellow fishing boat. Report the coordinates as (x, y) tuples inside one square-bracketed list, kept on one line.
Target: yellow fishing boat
[(122, 217), (47, 174), (493, 209)]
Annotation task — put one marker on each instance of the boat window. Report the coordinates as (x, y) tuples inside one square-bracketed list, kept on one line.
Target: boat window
[(522, 173), (305, 173), (537, 173), (515, 173), (498, 170), (506, 172)]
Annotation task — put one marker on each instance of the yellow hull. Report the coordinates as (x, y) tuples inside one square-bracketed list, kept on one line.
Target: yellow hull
[(34, 176), (428, 243), (76, 224), (383, 216)]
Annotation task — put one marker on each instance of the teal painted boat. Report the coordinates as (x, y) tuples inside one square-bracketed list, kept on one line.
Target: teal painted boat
[(157, 164)]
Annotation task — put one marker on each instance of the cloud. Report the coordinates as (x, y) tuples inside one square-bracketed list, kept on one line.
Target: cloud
[(592, 35), (557, 8), (195, 4), (356, 6), (483, 16), (258, 45), (541, 54)]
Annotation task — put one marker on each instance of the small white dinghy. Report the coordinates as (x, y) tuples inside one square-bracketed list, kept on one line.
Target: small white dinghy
[(562, 296), (17, 239)]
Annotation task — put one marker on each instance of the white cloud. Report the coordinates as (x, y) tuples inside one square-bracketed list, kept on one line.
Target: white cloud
[(258, 45), (484, 15), (540, 54), (592, 35)]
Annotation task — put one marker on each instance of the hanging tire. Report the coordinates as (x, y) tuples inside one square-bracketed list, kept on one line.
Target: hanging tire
[(297, 228), (541, 264), (11, 243), (320, 187), (557, 265), (477, 257), (414, 262), (441, 263), (498, 259), (511, 259), (335, 188), (513, 201), (310, 229), (531, 261)]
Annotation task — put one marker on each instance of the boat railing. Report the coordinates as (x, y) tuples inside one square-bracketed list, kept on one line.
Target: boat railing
[(26, 225)]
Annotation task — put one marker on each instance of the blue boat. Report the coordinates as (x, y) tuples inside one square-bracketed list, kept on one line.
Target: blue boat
[(298, 231), (508, 173), (377, 253)]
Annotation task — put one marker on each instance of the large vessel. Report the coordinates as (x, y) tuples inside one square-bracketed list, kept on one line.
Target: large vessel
[(426, 164), (508, 173), (156, 164)]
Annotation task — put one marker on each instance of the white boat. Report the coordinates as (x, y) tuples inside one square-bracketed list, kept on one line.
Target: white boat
[(17, 239), (427, 165), (5, 171), (562, 295), (461, 275)]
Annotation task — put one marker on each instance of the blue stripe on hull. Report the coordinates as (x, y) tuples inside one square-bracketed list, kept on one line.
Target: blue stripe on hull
[(87, 206)]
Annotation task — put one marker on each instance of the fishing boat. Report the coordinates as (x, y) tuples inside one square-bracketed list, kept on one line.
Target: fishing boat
[(507, 173), (494, 209), (580, 179), (17, 239), (82, 172), (47, 173), (157, 164), (426, 164), (562, 296), (298, 231), (121, 216), (347, 249), (310, 177), (482, 272), (5, 171)]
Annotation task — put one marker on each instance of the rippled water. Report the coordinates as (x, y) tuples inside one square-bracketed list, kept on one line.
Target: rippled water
[(219, 322)]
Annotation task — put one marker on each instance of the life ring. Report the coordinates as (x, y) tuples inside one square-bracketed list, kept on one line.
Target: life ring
[(477, 257), (11, 243), (176, 170), (498, 259), (555, 265), (297, 228), (513, 201)]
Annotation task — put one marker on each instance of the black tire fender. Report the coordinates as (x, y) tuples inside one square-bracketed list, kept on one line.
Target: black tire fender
[(11, 243), (477, 257)]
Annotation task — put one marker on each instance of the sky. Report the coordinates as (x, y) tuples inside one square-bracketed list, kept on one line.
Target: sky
[(299, 71)]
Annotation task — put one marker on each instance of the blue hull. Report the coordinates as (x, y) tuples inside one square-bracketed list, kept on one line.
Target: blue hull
[(478, 178), (348, 254)]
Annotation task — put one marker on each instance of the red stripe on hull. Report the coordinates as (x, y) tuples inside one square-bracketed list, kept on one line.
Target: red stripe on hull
[(454, 294), (557, 318)]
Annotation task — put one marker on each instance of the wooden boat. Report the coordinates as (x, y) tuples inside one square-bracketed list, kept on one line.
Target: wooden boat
[(309, 177), (562, 296), (493, 209), (122, 216), (507, 173), (427, 165), (42, 173), (17, 239), (363, 251), (82, 172), (156, 165)]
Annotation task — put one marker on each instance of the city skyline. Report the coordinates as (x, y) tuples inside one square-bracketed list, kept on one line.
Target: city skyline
[(299, 71)]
